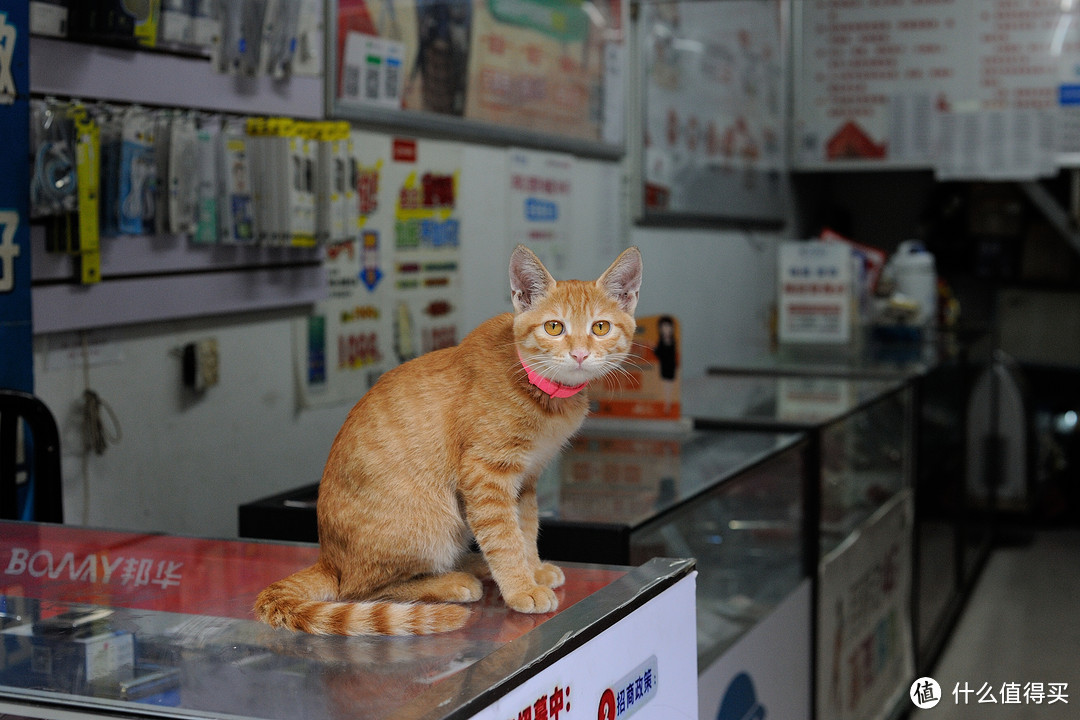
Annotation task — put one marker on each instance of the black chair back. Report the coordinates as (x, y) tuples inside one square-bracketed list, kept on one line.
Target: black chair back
[(41, 456)]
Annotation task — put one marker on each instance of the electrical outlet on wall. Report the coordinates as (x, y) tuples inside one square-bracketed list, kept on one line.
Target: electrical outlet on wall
[(200, 364)]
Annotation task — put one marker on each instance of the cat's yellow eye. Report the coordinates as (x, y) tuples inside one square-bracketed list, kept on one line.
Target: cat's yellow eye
[(553, 327), (601, 327)]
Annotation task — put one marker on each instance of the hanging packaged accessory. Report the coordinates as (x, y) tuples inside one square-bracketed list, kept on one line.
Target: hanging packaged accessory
[(138, 173), (261, 175), (241, 36), (301, 195), (205, 23), (332, 197), (177, 22), (182, 174), (111, 126), (162, 122), (281, 28), (49, 17), (207, 144), (116, 21), (235, 211), (52, 185)]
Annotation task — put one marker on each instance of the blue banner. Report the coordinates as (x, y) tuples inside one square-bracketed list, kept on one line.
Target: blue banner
[(16, 333)]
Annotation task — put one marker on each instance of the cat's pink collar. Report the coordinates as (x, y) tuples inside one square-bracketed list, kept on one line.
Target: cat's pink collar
[(552, 388)]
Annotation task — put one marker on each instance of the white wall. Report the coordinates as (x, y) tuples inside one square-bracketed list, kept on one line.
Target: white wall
[(185, 464)]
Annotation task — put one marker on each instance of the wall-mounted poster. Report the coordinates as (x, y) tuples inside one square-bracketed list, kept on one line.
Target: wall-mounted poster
[(344, 345), (540, 186), (394, 286), (971, 88), (539, 72), (425, 245), (712, 96)]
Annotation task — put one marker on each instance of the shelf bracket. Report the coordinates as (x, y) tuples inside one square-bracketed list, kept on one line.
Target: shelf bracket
[(1064, 222)]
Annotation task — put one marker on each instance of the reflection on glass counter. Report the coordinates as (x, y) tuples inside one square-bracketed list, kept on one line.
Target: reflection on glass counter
[(731, 500), (861, 430), (111, 624)]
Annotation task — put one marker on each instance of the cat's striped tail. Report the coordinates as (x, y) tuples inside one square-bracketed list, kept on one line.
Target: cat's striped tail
[(306, 601)]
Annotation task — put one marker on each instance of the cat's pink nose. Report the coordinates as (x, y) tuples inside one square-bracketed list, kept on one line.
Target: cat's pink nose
[(579, 355)]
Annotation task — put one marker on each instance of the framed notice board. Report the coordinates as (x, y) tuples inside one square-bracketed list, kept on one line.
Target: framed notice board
[(972, 88), (710, 105), (544, 74)]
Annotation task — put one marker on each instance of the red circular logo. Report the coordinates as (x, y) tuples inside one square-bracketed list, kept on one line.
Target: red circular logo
[(606, 711)]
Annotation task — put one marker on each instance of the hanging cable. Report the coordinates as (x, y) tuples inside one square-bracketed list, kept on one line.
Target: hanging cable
[(96, 436)]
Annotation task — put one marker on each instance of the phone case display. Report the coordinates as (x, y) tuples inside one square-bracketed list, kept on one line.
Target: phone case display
[(712, 110), (862, 446), (538, 72), (731, 500), (113, 624)]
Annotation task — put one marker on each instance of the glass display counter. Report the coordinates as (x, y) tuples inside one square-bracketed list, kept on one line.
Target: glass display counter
[(108, 624), (860, 432), (954, 531), (731, 500), (861, 453)]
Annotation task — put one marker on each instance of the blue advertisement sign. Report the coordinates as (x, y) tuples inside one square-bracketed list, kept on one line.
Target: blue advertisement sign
[(16, 334)]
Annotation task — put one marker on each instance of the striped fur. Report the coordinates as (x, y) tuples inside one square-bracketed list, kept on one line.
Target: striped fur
[(447, 448)]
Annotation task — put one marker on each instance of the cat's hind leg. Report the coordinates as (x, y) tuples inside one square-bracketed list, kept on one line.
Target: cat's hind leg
[(456, 587), (475, 564)]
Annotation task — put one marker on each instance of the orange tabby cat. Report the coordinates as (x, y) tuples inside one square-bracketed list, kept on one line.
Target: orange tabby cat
[(448, 447)]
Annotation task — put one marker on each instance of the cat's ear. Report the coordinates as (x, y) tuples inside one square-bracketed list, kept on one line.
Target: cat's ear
[(529, 279), (622, 280)]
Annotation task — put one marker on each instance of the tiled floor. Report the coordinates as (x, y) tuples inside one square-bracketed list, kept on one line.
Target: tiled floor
[(1021, 626)]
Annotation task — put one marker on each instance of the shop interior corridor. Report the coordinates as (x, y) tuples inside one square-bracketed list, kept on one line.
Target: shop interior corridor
[(1020, 627)]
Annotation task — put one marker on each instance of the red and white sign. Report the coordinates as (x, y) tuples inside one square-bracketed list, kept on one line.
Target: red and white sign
[(865, 658), (654, 645), (815, 292)]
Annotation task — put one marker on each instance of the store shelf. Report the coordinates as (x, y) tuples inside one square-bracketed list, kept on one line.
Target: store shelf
[(94, 72), (154, 278), (126, 301)]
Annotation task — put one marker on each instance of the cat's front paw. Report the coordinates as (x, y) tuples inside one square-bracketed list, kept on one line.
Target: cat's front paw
[(538, 599), (549, 575)]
